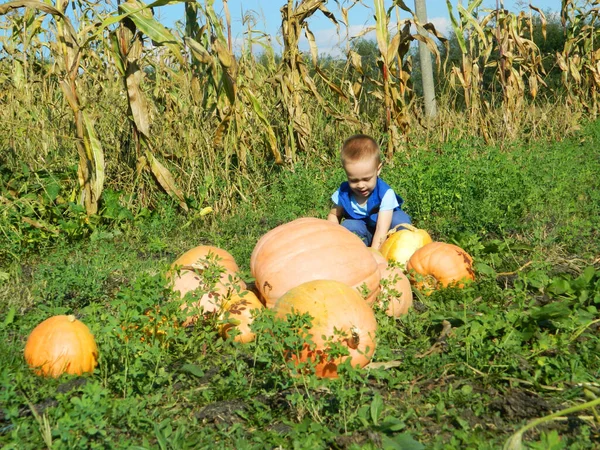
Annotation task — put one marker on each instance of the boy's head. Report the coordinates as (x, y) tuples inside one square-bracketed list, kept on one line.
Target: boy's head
[(362, 163), (360, 147)]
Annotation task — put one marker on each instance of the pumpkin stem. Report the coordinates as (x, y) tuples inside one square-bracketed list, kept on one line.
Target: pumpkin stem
[(408, 226), (354, 340), (71, 318)]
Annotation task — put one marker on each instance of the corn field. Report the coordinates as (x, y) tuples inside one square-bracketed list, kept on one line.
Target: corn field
[(137, 106)]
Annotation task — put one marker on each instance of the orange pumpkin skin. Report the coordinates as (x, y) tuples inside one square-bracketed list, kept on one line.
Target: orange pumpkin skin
[(240, 308), (382, 263), (196, 258), (61, 344), (189, 280), (333, 305), (309, 249), (400, 245), (441, 264), (397, 305)]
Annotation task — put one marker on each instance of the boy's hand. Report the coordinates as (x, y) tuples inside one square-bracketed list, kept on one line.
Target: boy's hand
[(384, 221), (335, 215)]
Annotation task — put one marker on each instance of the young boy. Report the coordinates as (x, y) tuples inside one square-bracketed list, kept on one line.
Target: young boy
[(365, 204)]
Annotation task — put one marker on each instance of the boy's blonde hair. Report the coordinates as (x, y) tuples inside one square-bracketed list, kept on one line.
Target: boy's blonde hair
[(359, 147)]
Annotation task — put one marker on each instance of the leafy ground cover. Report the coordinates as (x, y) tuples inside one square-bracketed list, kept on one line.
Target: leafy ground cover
[(464, 369)]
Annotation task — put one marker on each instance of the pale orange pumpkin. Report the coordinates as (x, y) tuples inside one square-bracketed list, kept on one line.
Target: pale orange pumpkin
[(61, 344), (440, 264), (339, 314), (397, 281), (189, 280), (196, 258), (382, 263), (400, 245), (237, 313), (186, 275), (309, 249)]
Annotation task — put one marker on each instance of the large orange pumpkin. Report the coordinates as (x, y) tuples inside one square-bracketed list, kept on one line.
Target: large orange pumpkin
[(237, 313), (339, 314), (61, 344), (397, 305), (309, 249), (441, 264), (400, 245)]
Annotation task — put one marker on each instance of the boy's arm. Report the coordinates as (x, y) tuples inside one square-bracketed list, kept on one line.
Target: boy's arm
[(384, 221), (335, 215)]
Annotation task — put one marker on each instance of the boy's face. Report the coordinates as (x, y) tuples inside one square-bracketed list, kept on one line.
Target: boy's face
[(362, 177)]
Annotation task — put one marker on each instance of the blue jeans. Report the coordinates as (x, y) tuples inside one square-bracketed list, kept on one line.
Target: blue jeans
[(365, 232)]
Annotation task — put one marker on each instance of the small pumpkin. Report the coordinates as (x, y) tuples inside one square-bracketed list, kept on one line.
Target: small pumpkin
[(186, 276), (237, 313), (397, 293), (339, 314), (382, 263), (310, 249), (61, 344), (190, 280), (440, 264), (400, 245)]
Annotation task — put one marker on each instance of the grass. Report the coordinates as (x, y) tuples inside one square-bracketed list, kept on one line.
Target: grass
[(522, 343)]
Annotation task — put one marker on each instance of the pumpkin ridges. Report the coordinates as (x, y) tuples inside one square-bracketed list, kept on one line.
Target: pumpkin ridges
[(333, 305), (397, 305), (194, 256), (307, 249), (446, 263), (55, 346)]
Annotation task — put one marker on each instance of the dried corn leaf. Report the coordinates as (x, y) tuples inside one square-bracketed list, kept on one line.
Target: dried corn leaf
[(272, 140), (95, 156), (142, 16), (165, 179), (381, 26)]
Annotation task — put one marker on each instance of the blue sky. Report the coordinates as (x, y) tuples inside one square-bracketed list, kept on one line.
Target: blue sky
[(268, 16)]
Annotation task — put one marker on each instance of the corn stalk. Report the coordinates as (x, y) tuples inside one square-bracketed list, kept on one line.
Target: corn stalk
[(67, 51), (228, 92), (497, 41), (580, 58), (127, 48), (293, 77), (394, 86)]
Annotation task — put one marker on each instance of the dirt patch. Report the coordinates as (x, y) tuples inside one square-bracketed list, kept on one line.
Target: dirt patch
[(516, 405), (222, 412)]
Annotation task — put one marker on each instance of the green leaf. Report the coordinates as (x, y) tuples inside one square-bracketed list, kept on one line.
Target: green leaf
[(559, 286), (460, 38), (376, 408), (10, 316), (485, 269), (402, 441), (192, 369)]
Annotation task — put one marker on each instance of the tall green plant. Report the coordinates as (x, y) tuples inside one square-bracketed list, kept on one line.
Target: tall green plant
[(67, 51)]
